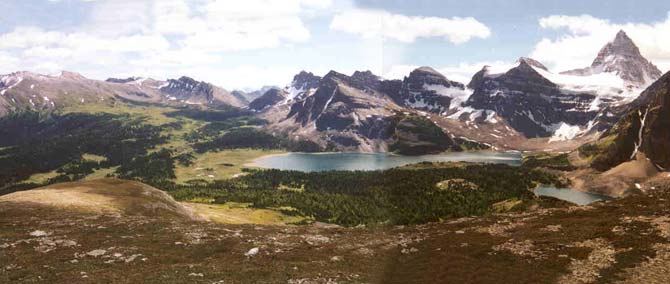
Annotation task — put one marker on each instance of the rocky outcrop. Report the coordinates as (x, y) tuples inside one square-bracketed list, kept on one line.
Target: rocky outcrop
[(529, 102)]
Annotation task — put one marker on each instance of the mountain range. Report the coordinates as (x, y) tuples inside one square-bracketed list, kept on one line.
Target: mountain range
[(526, 107)]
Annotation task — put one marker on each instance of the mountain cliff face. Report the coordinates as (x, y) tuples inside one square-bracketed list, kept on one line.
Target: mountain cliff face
[(644, 129), (342, 101), (529, 102), (622, 57), (427, 90), (576, 103), (360, 113)]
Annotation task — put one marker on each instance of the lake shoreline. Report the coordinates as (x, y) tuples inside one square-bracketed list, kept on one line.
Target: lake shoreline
[(574, 196), (363, 161)]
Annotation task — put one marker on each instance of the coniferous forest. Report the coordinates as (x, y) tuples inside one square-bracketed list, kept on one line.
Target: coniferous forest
[(407, 195)]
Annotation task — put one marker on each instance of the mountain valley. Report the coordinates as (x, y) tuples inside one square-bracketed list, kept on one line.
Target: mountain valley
[(130, 180)]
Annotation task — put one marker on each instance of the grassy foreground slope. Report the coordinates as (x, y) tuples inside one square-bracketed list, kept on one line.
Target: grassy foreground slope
[(619, 241)]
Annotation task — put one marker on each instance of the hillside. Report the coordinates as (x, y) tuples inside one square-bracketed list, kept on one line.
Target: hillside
[(621, 241), (104, 197), (645, 128)]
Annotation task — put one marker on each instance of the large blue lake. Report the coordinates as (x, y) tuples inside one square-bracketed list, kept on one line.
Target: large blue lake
[(311, 162)]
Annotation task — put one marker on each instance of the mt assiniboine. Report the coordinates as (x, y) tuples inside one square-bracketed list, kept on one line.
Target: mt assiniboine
[(622, 57)]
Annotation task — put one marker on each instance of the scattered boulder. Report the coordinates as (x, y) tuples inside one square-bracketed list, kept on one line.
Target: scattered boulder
[(251, 252), (39, 233), (96, 252)]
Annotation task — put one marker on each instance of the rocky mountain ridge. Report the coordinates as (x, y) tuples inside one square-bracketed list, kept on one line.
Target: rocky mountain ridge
[(27, 91), (354, 112), (529, 102)]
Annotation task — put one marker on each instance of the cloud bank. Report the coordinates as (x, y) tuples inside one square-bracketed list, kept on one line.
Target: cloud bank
[(373, 23)]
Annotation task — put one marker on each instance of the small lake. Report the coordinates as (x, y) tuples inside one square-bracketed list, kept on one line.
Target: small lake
[(312, 162), (570, 195)]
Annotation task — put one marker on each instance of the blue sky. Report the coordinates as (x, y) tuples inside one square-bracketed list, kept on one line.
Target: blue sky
[(247, 44)]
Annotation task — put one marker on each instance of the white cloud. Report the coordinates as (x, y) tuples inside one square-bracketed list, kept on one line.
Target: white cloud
[(176, 58), (585, 35), (375, 23), (175, 17), (8, 63), (118, 17), (158, 38), (23, 37), (229, 25), (31, 38), (245, 76)]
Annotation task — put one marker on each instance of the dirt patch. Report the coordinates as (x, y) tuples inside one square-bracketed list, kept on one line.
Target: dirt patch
[(524, 248), (588, 270), (654, 271)]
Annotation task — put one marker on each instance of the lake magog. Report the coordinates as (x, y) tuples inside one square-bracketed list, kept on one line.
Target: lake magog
[(311, 162)]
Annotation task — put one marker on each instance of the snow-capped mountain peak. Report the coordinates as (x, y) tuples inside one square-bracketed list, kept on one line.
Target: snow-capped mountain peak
[(622, 57)]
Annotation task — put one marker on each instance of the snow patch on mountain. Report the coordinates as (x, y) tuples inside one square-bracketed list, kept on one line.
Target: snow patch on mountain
[(458, 96), (491, 117), (8, 82), (292, 93), (565, 132), (487, 115), (420, 103), (456, 115), (606, 84)]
